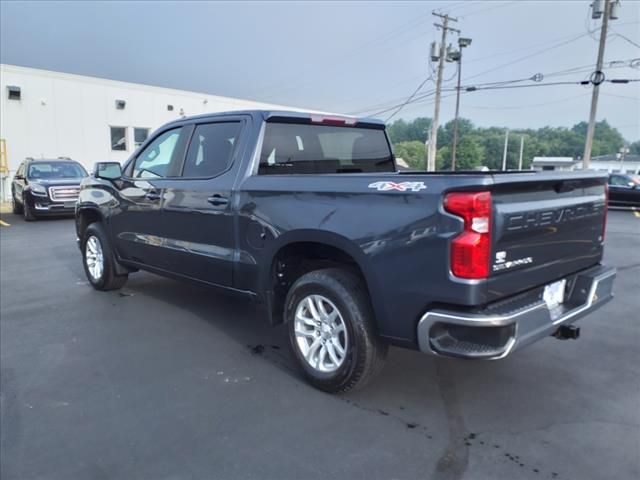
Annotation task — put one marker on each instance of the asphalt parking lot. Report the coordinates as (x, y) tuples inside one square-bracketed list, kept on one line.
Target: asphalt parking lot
[(164, 380)]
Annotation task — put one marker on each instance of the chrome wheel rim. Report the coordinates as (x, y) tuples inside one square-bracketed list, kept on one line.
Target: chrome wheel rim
[(94, 258), (321, 333)]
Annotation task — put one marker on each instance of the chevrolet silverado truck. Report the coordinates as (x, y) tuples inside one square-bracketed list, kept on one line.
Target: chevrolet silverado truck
[(306, 215)]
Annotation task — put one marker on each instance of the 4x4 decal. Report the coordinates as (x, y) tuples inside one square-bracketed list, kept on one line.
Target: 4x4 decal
[(401, 187)]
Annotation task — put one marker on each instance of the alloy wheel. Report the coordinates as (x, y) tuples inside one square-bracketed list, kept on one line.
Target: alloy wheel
[(94, 258), (321, 333)]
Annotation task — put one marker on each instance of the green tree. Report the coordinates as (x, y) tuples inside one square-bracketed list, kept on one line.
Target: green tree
[(411, 152), (487, 144), (469, 154), (416, 130), (606, 139)]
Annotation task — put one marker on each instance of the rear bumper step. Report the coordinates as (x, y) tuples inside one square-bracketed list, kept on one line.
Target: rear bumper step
[(506, 326)]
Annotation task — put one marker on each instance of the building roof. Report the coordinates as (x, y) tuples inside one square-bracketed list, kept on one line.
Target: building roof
[(555, 160), (611, 157)]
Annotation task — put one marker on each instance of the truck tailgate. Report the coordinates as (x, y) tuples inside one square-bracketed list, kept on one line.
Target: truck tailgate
[(546, 226)]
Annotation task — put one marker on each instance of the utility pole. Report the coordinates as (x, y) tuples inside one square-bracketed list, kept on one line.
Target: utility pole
[(462, 42), (433, 143), (597, 77), (521, 150), (504, 154)]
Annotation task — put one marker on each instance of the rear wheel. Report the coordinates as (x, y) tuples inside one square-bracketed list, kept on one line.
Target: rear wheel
[(331, 330), (99, 261)]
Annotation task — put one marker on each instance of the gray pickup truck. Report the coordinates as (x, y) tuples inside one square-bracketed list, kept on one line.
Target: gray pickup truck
[(307, 216)]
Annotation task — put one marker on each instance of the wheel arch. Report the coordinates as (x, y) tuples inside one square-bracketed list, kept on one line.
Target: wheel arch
[(85, 216), (298, 252)]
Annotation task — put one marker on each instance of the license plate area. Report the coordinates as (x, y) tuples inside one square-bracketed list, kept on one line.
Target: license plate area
[(553, 294), (71, 204)]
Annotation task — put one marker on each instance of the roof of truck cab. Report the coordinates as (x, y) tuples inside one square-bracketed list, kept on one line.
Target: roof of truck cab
[(268, 114)]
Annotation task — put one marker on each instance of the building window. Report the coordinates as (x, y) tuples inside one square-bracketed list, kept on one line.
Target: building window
[(118, 138), (13, 93), (139, 136)]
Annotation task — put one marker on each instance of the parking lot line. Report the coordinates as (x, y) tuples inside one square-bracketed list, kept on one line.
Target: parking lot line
[(5, 224)]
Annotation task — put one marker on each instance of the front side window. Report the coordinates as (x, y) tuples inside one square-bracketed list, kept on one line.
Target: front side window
[(119, 138), (55, 170), (157, 158), (618, 180), (211, 149), (302, 148), (139, 136)]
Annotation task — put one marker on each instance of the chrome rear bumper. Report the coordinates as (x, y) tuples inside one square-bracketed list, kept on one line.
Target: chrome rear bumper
[(501, 328)]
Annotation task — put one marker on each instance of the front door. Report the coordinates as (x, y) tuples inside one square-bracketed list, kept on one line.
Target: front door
[(137, 225), (198, 207)]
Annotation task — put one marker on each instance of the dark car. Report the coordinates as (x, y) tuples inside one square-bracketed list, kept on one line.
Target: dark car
[(306, 216), (624, 190), (46, 187)]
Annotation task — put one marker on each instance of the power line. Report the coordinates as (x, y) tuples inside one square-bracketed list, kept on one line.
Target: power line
[(384, 37), (533, 105), (393, 103), (627, 39), (409, 98), (620, 96), (553, 47)]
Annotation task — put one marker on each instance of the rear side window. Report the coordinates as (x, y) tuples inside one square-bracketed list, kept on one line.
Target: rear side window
[(211, 149), (290, 148)]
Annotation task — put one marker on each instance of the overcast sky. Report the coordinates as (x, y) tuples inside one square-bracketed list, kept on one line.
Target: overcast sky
[(344, 57)]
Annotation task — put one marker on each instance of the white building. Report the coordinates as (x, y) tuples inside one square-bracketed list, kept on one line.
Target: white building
[(45, 114), (554, 163), (616, 163)]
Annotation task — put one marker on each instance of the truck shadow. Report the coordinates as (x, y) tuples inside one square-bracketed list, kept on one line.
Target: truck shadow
[(429, 397)]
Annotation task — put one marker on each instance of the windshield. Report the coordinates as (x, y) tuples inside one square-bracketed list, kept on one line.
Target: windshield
[(291, 148), (54, 170)]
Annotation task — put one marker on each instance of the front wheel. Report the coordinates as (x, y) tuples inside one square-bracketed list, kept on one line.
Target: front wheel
[(27, 211), (15, 207), (99, 261), (331, 330)]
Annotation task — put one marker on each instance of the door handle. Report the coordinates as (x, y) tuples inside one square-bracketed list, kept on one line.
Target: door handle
[(152, 195), (218, 200)]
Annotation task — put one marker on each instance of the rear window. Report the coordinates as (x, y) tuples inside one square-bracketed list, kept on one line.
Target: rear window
[(46, 170), (290, 148)]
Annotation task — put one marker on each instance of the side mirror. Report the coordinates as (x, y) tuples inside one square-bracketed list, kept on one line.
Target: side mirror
[(107, 170)]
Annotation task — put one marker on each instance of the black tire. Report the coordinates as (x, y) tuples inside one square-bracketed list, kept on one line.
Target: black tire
[(27, 212), (16, 208), (109, 279), (365, 351)]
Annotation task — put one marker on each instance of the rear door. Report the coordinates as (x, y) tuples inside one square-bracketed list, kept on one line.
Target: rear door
[(198, 208), (546, 226)]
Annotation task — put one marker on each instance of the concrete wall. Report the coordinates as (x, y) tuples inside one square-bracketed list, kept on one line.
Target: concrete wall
[(68, 115)]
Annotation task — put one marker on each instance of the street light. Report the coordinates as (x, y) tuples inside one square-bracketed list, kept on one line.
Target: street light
[(462, 43)]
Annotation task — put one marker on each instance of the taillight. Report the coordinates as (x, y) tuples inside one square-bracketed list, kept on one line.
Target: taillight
[(471, 250), (606, 209)]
